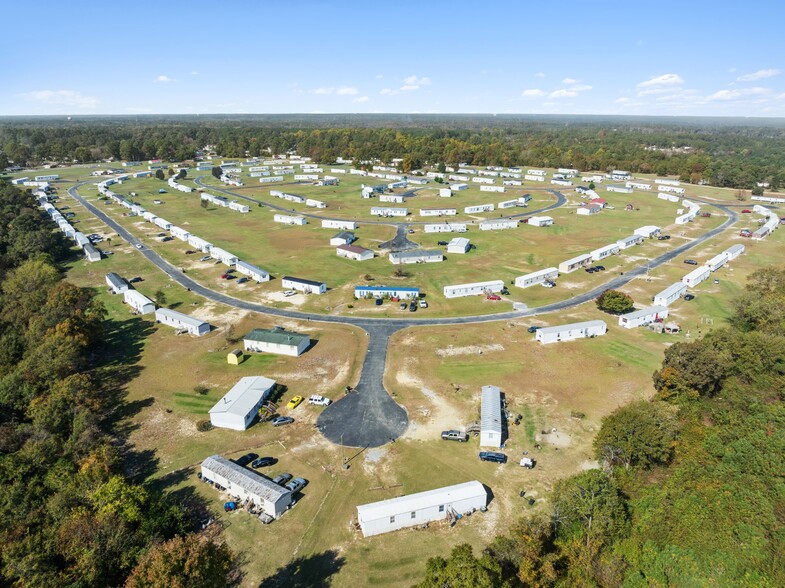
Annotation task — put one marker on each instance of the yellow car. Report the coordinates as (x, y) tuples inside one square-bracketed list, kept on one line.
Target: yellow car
[(295, 402)]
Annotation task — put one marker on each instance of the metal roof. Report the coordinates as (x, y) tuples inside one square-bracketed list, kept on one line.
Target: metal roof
[(344, 235), (387, 288), (250, 481), (644, 312), (116, 280), (179, 316), (302, 281), (672, 289), (491, 409), (276, 336), (244, 396), (420, 500), (137, 297), (458, 242), (417, 253), (570, 327), (251, 268), (353, 249)]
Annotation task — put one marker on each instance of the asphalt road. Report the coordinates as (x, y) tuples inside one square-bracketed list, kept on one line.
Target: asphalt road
[(369, 417)]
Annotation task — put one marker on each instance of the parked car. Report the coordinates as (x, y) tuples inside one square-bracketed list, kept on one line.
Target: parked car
[(528, 462), (442, 243), (689, 297), (494, 456), (296, 485), (453, 435), (690, 262), (746, 211), (403, 306), (135, 280), (205, 258), (533, 329), (599, 268), (263, 462), (295, 402), (745, 233), (423, 304), (282, 420), (246, 459), (411, 231), (412, 306), (716, 281), (319, 400), (549, 284), (289, 292), (493, 297), (189, 252), (282, 479), (663, 237), (224, 276), (242, 280), (378, 302), (590, 270)]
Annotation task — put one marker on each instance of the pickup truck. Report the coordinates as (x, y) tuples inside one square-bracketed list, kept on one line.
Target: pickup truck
[(453, 435), (319, 400)]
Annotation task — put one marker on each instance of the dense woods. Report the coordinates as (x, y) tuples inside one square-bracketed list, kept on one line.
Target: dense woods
[(691, 492), (727, 153), (70, 512)]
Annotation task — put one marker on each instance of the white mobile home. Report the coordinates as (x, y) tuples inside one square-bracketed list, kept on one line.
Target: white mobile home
[(638, 186), (734, 251), (181, 321), (199, 244), (287, 219), (91, 253), (445, 228), (234, 205), (401, 292), (571, 332), (445, 192), (458, 245), (353, 252), (479, 208), (338, 224), (498, 224), (246, 485), (696, 276), (647, 231), (630, 241), (540, 221), (163, 223), (492, 189), (474, 289), (394, 198), (491, 417), (560, 182), (538, 277), (438, 212), (342, 238), (223, 256), (533, 178), (672, 189), (421, 508), (180, 233), (670, 294), (604, 252), (643, 317), (116, 284), (416, 256), (508, 204), (618, 188), (536, 172), (565, 267), (141, 304), (483, 180), (389, 211), (667, 182), (304, 286), (310, 202), (81, 239), (257, 274), (717, 261), (270, 179), (459, 187), (276, 340)]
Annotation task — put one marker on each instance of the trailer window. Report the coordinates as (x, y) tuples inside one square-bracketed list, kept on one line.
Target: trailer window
[(414, 514), (441, 508)]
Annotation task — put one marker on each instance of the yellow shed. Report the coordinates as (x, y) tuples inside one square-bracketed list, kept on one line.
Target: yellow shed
[(235, 357)]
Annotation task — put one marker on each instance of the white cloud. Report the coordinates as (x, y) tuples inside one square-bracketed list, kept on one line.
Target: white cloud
[(388, 91), (347, 91), (415, 81), (164, 79), (361, 99), (324, 90), (569, 81), (740, 93), (532, 92), (563, 93), (62, 97), (663, 80), (583, 88), (539, 74), (758, 75), (409, 88)]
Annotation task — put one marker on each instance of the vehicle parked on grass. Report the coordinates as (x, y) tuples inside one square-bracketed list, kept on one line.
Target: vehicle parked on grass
[(493, 456), (295, 402), (663, 237), (319, 400), (689, 297), (423, 304), (282, 420), (454, 435), (246, 459), (242, 280), (533, 328), (379, 302), (189, 252), (493, 297), (263, 462), (135, 280), (442, 243), (599, 268), (690, 262), (289, 292), (746, 211), (412, 306), (403, 306), (296, 485), (205, 258), (282, 478)]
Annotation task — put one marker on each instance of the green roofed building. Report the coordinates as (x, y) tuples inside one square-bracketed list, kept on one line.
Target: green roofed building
[(276, 340)]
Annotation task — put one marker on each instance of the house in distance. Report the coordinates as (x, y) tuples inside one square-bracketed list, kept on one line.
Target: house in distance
[(276, 340)]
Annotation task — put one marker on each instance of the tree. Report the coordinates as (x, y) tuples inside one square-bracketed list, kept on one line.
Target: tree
[(159, 173), (463, 570), (193, 561), (592, 185), (171, 172), (691, 370), (638, 435), (159, 297), (615, 302), (757, 191), (217, 172), (441, 167), (181, 174)]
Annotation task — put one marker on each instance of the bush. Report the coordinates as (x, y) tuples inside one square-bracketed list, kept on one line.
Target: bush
[(201, 389), (204, 425)]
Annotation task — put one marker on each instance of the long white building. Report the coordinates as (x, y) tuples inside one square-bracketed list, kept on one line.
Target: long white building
[(140, 303), (339, 224), (181, 321), (491, 428), (445, 228), (571, 331), (497, 224), (240, 405), (538, 277), (670, 294), (696, 276), (643, 316), (257, 274), (474, 289)]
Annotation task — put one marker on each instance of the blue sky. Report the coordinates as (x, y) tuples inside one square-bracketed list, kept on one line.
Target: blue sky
[(653, 58)]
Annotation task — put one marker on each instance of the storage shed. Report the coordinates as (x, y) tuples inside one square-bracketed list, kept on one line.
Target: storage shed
[(240, 405), (247, 485), (491, 425), (424, 507), (540, 221), (643, 316), (276, 340), (181, 321), (342, 238), (571, 331)]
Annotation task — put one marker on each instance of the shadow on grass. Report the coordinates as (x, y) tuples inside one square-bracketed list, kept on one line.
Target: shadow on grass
[(313, 571)]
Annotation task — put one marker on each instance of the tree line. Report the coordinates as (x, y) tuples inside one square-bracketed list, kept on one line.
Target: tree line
[(70, 513), (734, 155), (691, 490)]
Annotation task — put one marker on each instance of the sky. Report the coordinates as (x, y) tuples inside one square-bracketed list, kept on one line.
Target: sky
[(686, 58)]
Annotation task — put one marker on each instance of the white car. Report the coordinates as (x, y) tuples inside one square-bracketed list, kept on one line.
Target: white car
[(423, 304), (289, 293), (319, 400), (138, 245)]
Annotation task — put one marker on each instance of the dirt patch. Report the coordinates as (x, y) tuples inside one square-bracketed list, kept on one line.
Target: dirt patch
[(469, 350), (295, 300), (431, 414)]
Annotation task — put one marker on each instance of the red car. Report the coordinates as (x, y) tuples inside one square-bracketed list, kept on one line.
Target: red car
[(746, 211), (493, 297), (224, 276)]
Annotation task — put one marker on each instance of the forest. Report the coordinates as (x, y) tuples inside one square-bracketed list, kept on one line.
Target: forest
[(692, 487), (71, 512), (734, 153)]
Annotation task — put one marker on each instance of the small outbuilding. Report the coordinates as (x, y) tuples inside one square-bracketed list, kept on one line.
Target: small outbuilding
[(235, 357)]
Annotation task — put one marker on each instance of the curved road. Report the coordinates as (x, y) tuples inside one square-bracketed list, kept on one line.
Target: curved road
[(368, 416)]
